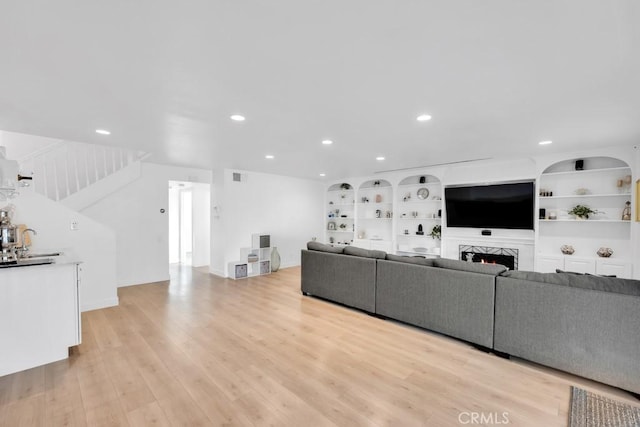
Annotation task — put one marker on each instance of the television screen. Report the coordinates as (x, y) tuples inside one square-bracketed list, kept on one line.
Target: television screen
[(509, 205)]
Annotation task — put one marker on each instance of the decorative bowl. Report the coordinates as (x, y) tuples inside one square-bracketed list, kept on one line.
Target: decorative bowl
[(605, 252), (567, 249)]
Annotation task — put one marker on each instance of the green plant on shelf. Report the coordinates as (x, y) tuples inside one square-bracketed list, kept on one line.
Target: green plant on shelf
[(436, 232), (583, 212)]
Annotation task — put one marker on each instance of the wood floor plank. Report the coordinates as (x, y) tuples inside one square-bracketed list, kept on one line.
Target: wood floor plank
[(148, 415), (63, 398), (200, 350)]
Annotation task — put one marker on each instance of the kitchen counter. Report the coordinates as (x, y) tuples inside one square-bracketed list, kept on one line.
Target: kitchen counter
[(27, 262), (39, 313)]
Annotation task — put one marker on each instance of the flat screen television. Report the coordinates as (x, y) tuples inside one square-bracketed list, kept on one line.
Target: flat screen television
[(504, 205)]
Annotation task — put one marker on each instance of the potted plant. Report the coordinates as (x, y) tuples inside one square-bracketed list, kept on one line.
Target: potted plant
[(436, 232), (582, 211)]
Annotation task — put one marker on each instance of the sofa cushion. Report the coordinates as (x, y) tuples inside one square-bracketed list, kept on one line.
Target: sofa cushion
[(410, 259), (472, 267), (551, 278), (588, 274), (321, 247), (366, 253), (584, 281), (607, 284)]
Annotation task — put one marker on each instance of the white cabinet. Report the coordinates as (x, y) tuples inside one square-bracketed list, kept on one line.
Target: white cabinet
[(253, 262), (549, 263), (580, 265), (379, 245), (590, 265), (39, 315), (613, 267)]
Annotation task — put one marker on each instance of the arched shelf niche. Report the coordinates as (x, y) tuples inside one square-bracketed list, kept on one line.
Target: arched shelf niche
[(340, 214), (602, 184), (419, 220), (374, 215)]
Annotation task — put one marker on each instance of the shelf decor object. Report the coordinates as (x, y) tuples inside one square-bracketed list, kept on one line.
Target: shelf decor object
[(582, 212), (567, 249), (626, 212), (275, 259), (605, 252), (423, 193)]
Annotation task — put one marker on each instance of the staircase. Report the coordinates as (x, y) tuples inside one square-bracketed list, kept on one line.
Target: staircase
[(65, 171)]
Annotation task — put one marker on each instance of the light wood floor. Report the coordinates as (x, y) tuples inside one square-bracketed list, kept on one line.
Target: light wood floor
[(201, 350)]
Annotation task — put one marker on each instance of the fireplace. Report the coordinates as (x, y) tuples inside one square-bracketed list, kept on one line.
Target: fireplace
[(488, 255)]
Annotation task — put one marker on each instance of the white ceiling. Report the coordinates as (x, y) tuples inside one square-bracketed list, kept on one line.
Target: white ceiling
[(164, 77)]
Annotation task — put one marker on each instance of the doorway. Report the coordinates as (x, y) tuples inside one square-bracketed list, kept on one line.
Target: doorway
[(189, 223)]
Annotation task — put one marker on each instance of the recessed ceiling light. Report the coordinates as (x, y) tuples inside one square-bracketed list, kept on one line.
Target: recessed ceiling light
[(269, 156), (237, 118), (327, 142), (380, 158), (323, 174), (423, 118), (545, 142), (103, 132)]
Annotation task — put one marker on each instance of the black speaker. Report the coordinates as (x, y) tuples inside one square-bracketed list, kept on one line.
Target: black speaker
[(423, 180), (542, 213), (579, 165)]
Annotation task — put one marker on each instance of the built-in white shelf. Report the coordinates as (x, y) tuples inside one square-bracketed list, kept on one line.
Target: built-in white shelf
[(588, 171), (587, 220), (585, 196)]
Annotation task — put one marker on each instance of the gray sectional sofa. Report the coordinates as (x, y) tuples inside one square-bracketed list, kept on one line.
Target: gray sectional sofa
[(452, 297), (582, 324), (447, 296)]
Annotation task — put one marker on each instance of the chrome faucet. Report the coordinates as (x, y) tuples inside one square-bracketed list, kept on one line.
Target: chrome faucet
[(23, 250)]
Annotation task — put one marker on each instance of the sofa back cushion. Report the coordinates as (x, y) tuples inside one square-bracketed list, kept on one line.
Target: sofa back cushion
[(472, 267), (365, 253), (584, 281), (410, 259), (321, 247)]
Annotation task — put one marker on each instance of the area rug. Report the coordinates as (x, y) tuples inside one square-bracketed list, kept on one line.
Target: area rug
[(592, 410)]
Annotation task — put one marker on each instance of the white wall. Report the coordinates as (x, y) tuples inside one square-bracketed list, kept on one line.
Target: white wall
[(174, 224), (289, 209), (93, 244), (134, 213), (201, 224)]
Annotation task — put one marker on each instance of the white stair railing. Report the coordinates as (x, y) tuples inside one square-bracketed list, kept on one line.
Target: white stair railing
[(62, 169)]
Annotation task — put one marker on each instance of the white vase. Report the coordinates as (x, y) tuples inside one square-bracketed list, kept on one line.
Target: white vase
[(275, 259)]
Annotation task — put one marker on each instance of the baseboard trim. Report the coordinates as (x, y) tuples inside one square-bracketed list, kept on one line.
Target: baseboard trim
[(217, 272), (96, 305)]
